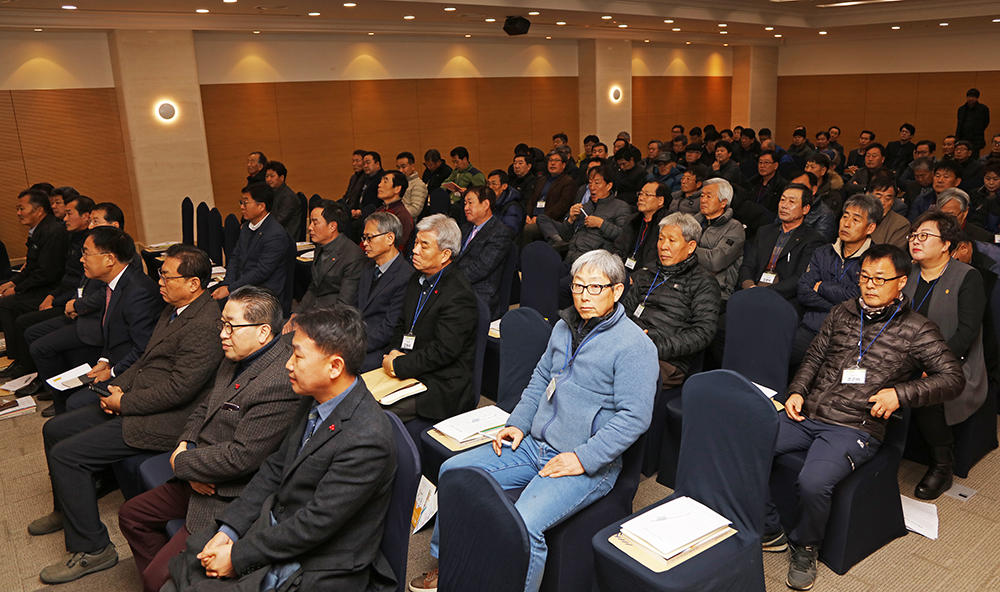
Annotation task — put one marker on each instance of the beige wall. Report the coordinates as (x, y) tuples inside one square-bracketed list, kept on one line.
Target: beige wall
[(660, 59), (48, 60)]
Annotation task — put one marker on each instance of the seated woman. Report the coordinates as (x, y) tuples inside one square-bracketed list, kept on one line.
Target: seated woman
[(951, 294), (589, 399), (675, 300)]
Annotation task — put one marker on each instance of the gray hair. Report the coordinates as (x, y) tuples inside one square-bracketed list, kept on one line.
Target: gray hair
[(953, 193), (387, 222), (690, 229), (559, 153), (603, 262), (867, 203), (725, 189), (259, 305), (446, 232), (924, 163)]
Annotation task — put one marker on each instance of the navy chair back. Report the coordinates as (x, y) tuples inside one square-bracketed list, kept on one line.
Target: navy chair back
[(201, 224), (760, 329), (187, 221), (787, 170), (304, 206), (748, 168), (507, 280), (472, 503), (230, 234), (155, 471), (541, 268), (524, 334), (314, 202), (286, 295), (482, 335), (216, 238), (396, 536)]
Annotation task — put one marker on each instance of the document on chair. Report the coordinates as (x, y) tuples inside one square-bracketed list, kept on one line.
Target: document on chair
[(920, 517), (674, 527), (70, 378)]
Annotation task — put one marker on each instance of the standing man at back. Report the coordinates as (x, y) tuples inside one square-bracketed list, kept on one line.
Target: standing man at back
[(973, 119), (287, 209)]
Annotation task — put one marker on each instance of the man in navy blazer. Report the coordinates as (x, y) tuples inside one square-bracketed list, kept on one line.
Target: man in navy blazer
[(264, 250), (132, 308), (380, 300), (486, 242)]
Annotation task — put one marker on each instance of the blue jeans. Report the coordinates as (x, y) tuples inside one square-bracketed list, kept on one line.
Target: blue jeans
[(545, 502)]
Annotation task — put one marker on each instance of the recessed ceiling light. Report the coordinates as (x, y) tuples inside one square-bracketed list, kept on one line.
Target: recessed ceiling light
[(896, 28), (853, 3), (229, 1), (69, 7), (467, 36), (561, 23), (822, 32), (371, 34), (675, 29), (37, 29), (669, 22), (548, 38), (996, 20), (723, 32), (409, 17), (349, 4), (491, 20), (534, 13), (623, 26), (687, 43), (313, 14), (942, 24), (607, 17), (768, 28), (450, 9), (725, 45), (646, 41), (723, 25), (256, 32), (202, 11), (777, 35)]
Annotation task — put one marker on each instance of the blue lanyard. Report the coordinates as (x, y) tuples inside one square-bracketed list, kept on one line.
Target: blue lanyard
[(929, 290), (638, 243), (569, 345), (654, 286), (422, 301), (862, 352), (846, 267)]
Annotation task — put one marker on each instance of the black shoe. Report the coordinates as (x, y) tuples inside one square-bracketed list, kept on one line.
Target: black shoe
[(802, 568), (775, 543), (32, 388), (49, 411), (938, 478), (44, 395), (12, 371)]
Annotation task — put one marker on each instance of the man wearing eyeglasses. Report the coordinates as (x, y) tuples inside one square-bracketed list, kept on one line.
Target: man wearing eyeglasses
[(855, 374), (237, 425), (144, 410)]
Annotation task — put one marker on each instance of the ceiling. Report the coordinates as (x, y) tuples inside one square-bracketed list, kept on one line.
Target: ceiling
[(700, 21)]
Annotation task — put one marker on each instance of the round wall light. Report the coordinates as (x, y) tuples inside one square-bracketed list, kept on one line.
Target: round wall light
[(616, 94), (166, 111)]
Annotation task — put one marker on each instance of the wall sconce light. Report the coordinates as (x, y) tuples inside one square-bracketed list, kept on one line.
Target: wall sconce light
[(616, 94), (166, 111)]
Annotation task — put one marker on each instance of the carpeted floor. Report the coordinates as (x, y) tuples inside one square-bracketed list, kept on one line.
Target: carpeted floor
[(965, 557)]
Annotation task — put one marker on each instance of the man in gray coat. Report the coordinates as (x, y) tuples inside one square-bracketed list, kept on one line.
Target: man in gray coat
[(239, 423), (145, 410), (720, 248)]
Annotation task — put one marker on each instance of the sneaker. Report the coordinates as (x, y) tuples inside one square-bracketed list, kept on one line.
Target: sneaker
[(802, 568), (79, 565), (46, 524), (427, 582), (775, 543)]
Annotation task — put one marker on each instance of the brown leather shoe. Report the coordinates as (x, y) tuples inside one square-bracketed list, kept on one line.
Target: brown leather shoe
[(427, 582)]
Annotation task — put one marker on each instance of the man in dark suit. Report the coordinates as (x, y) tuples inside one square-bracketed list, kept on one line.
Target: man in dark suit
[(553, 196), (782, 250), (384, 278), (312, 517), (113, 341), (145, 410), (485, 244), (45, 261), (241, 421), (263, 251), (435, 338), (337, 261), (287, 209)]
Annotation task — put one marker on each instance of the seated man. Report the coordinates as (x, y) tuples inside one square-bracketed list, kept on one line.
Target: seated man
[(679, 315), (127, 318), (434, 340), (954, 201), (263, 251), (947, 174), (820, 216), (631, 177), (508, 208), (765, 188), (832, 274), (602, 369), (145, 411), (636, 244), (553, 196), (595, 224), (45, 262), (782, 250), (463, 174), (336, 266), (720, 248), (724, 166), (827, 411), (312, 517), (893, 228), (390, 189), (383, 282), (687, 199), (415, 197), (486, 242), (287, 209), (241, 421)]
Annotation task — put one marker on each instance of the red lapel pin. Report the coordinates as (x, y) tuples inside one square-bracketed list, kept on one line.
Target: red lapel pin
[(331, 427), (237, 386)]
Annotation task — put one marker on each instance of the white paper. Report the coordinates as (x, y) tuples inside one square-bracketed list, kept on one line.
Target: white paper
[(303, 245), (768, 392), (960, 492), (426, 504), (672, 527), (920, 517), (495, 329), (17, 383), (161, 246), (23, 404), (70, 378), (218, 270), (308, 256), (472, 423)]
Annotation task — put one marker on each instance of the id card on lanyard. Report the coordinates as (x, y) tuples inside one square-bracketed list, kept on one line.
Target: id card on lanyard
[(631, 261), (642, 306), (410, 340), (857, 374), (550, 390)]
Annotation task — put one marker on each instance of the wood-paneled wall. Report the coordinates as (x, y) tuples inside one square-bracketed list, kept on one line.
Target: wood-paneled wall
[(313, 127), (64, 137), (881, 103), (661, 102)]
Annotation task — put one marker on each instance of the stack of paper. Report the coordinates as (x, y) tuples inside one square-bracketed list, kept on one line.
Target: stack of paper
[(17, 383), (156, 248), (387, 390), (672, 533), (307, 256), (495, 329), (474, 427), (21, 406), (304, 246)]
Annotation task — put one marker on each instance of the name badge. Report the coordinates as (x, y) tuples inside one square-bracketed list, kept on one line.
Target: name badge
[(996, 238), (409, 340), (853, 376), (540, 203), (768, 277), (551, 389), (638, 311), (630, 263), (79, 292)]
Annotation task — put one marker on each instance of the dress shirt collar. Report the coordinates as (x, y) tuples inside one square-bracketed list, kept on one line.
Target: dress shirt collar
[(385, 266), (254, 227), (325, 409), (113, 283)]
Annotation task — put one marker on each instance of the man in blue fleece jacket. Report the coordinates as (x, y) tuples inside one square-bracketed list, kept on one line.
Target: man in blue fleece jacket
[(589, 399)]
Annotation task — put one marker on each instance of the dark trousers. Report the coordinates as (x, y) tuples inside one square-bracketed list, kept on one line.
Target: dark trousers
[(143, 521), (58, 351), (12, 307), (833, 453), (21, 326), (77, 445), (933, 426)]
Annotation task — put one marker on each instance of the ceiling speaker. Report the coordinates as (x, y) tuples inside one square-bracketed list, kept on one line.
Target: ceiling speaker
[(516, 25)]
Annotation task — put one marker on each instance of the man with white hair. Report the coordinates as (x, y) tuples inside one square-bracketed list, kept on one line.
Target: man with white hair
[(435, 338), (954, 201), (720, 248)]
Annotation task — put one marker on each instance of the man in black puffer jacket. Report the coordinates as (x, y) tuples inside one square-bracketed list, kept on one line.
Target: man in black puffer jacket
[(842, 396), (675, 300)]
